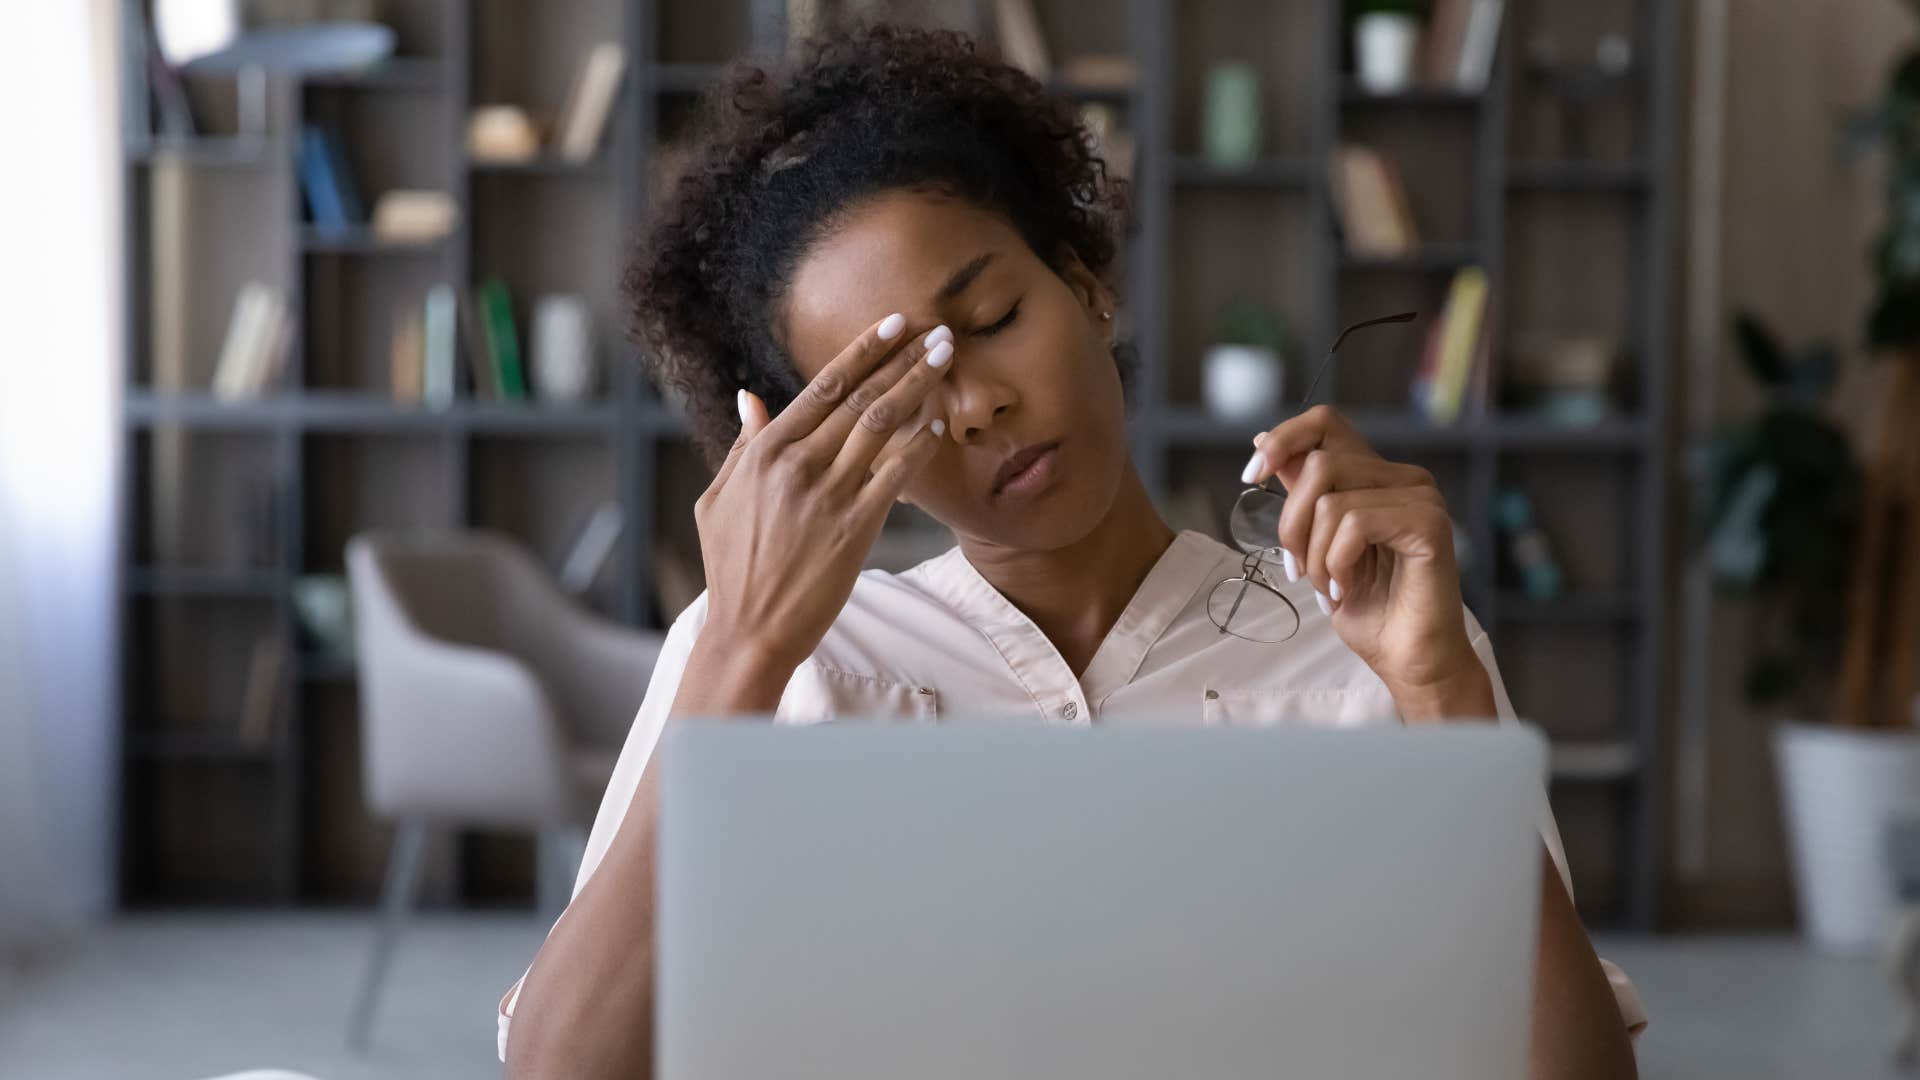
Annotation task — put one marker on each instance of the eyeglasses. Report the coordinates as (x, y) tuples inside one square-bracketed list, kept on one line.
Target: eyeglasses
[(1250, 605)]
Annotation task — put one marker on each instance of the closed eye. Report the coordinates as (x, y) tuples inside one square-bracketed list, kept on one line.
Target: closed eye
[(1001, 323)]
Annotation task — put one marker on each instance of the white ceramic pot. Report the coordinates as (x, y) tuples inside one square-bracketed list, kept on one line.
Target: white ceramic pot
[(565, 368), (1840, 788), (1242, 382), (1384, 47)]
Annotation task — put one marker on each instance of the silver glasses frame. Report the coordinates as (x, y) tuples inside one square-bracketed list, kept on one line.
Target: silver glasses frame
[(1254, 568)]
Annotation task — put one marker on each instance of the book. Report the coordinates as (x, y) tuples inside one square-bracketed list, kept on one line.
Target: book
[(1462, 321), (258, 338), (503, 341), (333, 202), (1446, 36), (1478, 45), (592, 547), (257, 703), (406, 355), (436, 387), (590, 101), (1371, 203), (1022, 44), (480, 366)]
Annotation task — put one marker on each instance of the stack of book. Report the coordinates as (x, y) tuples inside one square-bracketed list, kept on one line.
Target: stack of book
[(422, 367)]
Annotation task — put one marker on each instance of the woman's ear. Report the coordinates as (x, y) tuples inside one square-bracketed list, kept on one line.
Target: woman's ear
[(1087, 288)]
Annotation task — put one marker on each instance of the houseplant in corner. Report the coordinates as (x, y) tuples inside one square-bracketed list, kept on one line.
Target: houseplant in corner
[(1243, 373), (1781, 498), (1845, 781)]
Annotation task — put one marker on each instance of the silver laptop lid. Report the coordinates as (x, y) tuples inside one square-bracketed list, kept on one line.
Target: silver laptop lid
[(865, 902)]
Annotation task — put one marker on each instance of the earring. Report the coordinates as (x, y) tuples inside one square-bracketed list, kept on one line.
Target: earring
[(1106, 316)]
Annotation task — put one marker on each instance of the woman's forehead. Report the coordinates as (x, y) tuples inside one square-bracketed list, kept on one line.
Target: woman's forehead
[(894, 252)]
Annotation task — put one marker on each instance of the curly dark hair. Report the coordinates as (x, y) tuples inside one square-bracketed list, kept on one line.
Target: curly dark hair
[(779, 152)]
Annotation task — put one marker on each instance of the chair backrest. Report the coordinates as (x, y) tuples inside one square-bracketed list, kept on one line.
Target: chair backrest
[(453, 724)]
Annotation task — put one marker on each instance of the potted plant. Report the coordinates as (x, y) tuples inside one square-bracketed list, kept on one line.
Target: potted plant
[(1847, 782), (1386, 41), (1243, 374)]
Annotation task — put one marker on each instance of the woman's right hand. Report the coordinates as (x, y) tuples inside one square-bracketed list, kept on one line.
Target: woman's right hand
[(794, 510)]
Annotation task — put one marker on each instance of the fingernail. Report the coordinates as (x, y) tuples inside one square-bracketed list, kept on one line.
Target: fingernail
[(740, 402), (891, 326), (1333, 591), (1260, 438), (941, 352), (939, 427), (1325, 608), (1290, 564), (1253, 467), (939, 333)]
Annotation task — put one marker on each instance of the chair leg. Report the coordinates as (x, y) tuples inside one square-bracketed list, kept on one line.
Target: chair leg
[(396, 901), (556, 863)]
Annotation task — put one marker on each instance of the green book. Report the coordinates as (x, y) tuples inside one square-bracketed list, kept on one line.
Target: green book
[(503, 341)]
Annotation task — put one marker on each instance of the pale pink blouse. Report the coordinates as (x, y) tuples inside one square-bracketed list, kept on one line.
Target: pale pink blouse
[(939, 639)]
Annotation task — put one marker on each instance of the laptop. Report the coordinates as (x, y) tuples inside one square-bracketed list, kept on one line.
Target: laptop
[(873, 902)]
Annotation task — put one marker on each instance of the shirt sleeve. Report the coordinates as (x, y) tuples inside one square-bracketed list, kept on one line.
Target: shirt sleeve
[(651, 720), (1632, 1012)]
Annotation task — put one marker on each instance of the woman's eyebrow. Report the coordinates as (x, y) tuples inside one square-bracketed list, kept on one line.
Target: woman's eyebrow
[(963, 277)]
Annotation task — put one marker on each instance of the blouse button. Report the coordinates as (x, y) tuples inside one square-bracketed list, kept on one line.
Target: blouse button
[(926, 689), (1213, 695), (1072, 710)]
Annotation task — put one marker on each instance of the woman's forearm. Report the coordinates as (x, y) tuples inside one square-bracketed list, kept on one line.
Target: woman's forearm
[(586, 1006), (1577, 1030), (1578, 1033)]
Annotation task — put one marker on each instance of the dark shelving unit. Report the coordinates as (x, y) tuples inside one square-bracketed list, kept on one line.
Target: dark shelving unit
[(333, 454)]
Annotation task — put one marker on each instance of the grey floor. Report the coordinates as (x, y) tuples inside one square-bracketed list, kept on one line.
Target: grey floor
[(179, 997)]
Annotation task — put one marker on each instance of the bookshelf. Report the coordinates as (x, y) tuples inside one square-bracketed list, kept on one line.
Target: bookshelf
[(279, 482)]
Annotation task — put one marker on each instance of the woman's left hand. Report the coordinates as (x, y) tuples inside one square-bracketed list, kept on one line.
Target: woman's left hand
[(1375, 539)]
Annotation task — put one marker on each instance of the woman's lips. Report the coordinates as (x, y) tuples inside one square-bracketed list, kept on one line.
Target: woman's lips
[(1034, 477)]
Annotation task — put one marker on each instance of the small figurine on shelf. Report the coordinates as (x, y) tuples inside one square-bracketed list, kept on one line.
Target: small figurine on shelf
[(1528, 553), (1243, 372)]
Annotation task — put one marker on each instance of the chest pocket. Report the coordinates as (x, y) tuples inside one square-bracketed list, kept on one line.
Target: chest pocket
[(841, 696), (1289, 708)]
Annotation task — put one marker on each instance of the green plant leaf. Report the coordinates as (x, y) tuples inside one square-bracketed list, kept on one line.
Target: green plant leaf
[(1766, 360)]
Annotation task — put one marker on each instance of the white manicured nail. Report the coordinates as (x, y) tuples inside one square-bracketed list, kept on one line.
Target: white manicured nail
[(1290, 564), (939, 427), (941, 352), (891, 326), (1333, 591), (1253, 468), (740, 402), (937, 334), (1325, 608)]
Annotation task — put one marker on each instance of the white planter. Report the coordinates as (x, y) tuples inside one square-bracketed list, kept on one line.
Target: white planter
[(1384, 47), (1839, 789), (1242, 382)]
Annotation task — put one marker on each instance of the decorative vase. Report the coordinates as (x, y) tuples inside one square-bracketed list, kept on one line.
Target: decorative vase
[(1384, 46), (1841, 789), (565, 367), (1243, 382), (1231, 121)]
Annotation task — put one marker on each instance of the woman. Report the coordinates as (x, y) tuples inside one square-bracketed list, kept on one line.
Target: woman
[(885, 276)]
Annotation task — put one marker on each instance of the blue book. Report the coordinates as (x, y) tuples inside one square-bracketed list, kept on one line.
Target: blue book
[(317, 181), (332, 198)]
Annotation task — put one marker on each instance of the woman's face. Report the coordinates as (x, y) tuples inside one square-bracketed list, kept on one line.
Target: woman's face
[(1032, 366)]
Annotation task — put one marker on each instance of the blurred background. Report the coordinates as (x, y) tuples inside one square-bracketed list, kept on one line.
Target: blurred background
[(324, 458)]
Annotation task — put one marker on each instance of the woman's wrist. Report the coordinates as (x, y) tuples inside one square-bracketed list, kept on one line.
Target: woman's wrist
[(1462, 690), (729, 673)]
